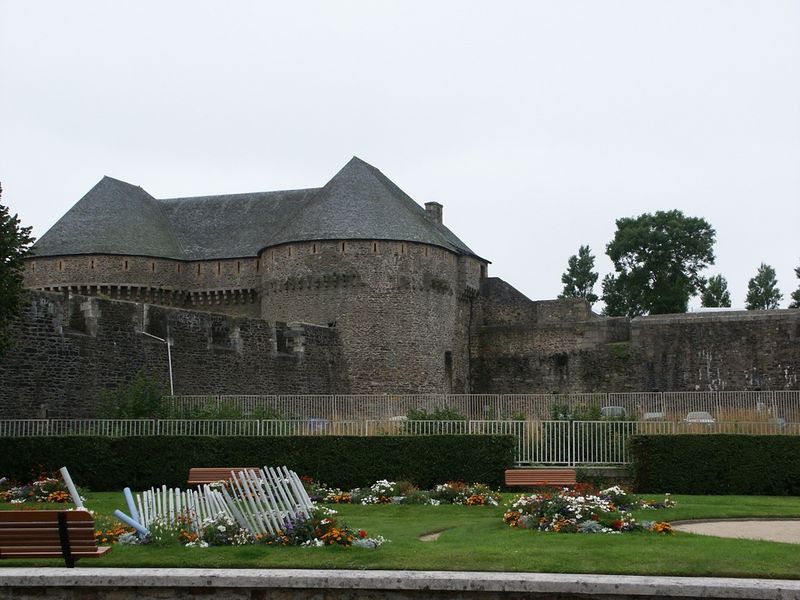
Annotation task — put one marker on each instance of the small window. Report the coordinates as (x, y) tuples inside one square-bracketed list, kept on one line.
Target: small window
[(313, 249), (198, 268), (402, 248), (483, 271), (290, 250), (61, 265), (219, 268), (342, 246), (179, 267), (91, 264), (238, 266), (126, 265), (258, 265), (374, 246), (153, 267), (426, 251)]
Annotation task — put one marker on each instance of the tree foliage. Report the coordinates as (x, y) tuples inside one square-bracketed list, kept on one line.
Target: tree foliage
[(658, 259), (15, 242), (579, 278), (715, 293), (796, 294), (762, 290)]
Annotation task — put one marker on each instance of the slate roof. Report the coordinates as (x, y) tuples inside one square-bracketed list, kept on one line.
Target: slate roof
[(359, 202)]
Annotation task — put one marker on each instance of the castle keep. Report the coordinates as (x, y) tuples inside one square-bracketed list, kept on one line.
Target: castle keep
[(350, 288), (357, 254)]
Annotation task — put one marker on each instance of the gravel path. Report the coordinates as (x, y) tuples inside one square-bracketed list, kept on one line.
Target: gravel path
[(773, 530)]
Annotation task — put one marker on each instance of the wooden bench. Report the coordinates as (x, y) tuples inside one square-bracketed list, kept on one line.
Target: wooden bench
[(540, 477), (67, 534), (201, 475)]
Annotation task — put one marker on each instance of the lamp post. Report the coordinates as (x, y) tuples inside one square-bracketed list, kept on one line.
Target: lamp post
[(169, 356)]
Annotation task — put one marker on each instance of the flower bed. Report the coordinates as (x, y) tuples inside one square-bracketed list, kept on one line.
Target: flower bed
[(404, 492), (46, 488), (571, 511)]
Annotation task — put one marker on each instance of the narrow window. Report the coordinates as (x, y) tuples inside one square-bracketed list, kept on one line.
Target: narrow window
[(61, 265), (179, 267), (342, 246), (374, 246), (290, 250), (238, 266), (126, 265), (198, 268), (483, 271), (153, 267), (219, 268), (33, 266), (402, 248), (426, 251), (313, 249), (91, 264), (258, 265)]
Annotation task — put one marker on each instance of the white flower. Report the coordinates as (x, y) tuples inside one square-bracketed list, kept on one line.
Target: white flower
[(220, 528)]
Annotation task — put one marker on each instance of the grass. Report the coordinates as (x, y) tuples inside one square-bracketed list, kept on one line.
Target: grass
[(475, 539)]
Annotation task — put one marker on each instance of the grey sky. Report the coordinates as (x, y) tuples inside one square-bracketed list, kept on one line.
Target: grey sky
[(535, 124)]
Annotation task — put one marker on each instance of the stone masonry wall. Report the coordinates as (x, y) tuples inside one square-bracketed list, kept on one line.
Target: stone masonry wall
[(402, 309), (229, 286), (538, 353), (68, 349)]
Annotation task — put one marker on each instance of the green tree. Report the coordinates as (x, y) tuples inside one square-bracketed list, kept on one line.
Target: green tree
[(715, 293), (657, 258), (796, 294), (579, 278), (15, 242), (762, 290)]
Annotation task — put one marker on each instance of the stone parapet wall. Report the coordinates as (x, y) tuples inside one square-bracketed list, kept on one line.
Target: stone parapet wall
[(68, 349), (745, 350)]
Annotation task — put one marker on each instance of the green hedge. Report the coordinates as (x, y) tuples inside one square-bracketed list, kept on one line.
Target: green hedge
[(718, 464), (106, 464)]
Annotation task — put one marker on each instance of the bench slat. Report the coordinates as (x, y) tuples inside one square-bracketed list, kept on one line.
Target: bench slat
[(37, 534), (540, 477), (201, 475)]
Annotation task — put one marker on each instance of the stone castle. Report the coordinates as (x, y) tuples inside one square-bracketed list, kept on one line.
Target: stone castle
[(351, 288)]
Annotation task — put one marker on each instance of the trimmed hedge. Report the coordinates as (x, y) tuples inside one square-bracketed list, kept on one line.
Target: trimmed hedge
[(107, 464), (718, 464)]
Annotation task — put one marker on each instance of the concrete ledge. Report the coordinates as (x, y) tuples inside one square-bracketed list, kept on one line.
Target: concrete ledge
[(24, 583)]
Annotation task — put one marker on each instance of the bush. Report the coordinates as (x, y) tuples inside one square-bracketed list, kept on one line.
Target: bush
[(106, 464), (718, 464), (138, 399)]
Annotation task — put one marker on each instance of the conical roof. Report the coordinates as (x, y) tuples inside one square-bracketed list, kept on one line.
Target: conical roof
[(359, 202), (114, 217)]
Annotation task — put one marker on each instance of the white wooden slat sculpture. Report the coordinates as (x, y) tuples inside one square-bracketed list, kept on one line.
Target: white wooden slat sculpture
[(261, 501)]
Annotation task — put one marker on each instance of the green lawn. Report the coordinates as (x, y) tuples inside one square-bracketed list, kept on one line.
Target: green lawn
[(475, 538)]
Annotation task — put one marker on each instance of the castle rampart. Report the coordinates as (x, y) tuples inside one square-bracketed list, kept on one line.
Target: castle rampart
[(521, 346), (67, 350)]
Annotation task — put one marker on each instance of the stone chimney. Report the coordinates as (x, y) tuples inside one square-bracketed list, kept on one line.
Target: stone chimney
[(433, 210)]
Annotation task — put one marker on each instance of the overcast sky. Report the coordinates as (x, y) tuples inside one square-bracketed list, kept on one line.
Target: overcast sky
[(535, 124)]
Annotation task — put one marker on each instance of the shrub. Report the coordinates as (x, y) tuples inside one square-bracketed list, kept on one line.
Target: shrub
[(718, 464), (103, 463), (138, 399)]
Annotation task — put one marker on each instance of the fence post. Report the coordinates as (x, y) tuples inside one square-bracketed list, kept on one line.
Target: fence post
[(571, 434)]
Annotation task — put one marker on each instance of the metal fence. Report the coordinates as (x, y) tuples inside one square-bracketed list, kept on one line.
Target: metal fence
[(651, 406), (537, 442)]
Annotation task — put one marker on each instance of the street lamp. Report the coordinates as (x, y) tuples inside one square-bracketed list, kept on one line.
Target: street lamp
[(169, 356)]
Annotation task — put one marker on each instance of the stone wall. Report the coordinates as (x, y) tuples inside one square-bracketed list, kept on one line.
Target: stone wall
[(402, 309), (229, 286), (522, 346), (67, 349)]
